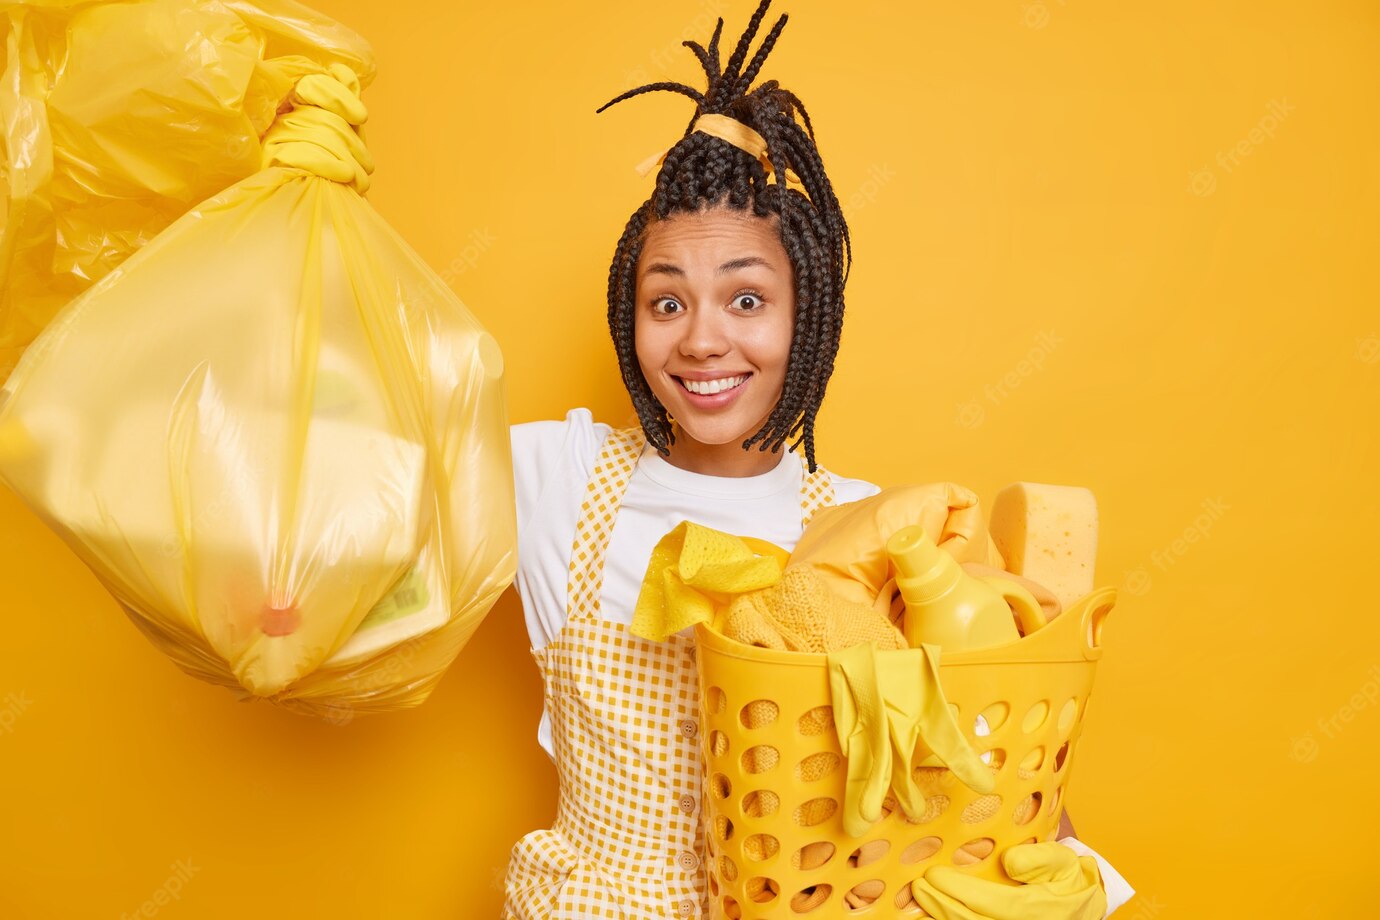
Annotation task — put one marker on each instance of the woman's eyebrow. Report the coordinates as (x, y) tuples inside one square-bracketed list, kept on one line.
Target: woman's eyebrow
[(666, 268), (733, 265)]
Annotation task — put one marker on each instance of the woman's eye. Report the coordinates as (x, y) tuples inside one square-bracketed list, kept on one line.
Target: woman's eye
[(747, 301), (666, 305)]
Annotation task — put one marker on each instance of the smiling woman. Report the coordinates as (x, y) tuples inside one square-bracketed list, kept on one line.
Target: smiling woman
[(725, 305), (725, 302)]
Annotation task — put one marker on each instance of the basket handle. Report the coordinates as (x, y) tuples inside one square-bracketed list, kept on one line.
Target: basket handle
[(1096, 606)]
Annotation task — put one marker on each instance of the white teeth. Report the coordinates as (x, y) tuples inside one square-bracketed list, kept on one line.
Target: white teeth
[(710, 387)]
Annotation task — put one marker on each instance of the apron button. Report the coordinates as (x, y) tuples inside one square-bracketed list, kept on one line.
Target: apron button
[(688, 861), (688, 728), (687, 907), (687, 803)]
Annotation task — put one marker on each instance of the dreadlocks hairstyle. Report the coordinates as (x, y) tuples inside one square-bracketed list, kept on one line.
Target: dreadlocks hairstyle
[(702, 171)]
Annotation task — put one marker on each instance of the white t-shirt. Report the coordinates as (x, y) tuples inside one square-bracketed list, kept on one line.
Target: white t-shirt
[(552, 463)]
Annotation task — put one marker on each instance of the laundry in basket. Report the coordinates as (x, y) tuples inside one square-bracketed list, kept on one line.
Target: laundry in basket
[(794, 820)]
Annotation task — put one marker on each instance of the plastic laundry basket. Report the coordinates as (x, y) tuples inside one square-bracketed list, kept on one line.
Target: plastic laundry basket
[(776, 841)]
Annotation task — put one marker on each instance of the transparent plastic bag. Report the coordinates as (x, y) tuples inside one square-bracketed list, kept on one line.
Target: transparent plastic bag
[(281, 442), (120, 117)]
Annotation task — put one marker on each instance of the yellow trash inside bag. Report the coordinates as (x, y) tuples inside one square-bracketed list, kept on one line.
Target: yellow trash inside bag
[(119, 117), (281, 442)]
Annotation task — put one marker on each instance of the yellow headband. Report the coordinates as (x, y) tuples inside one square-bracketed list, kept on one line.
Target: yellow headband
[(737, 134)]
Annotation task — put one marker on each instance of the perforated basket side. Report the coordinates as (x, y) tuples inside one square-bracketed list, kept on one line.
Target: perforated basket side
[(775, 776)]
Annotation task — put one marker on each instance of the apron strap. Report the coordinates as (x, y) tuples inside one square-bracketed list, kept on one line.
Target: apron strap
[(604, 494), (612, 472), (816, 490)]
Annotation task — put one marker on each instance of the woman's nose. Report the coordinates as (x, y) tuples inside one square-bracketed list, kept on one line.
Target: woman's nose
[(704, 334)]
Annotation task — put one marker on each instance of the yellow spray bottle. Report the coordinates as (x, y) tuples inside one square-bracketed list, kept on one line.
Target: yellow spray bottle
[(946, 606)]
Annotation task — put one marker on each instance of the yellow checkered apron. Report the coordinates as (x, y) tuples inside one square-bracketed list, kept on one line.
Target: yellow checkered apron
[(627, 842)]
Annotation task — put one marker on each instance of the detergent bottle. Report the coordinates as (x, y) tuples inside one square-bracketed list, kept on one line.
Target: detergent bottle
[(946, 606)]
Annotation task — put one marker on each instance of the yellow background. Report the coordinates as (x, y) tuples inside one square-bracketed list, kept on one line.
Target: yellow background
[(1117, 245)]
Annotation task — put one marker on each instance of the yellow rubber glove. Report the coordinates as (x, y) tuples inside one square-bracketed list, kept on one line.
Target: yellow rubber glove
[(885, 705), (694, 572), (1058, 884), (861, 721), (322, 131)]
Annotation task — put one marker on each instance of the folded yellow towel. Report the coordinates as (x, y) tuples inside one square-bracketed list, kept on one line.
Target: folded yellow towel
[(694, 573)]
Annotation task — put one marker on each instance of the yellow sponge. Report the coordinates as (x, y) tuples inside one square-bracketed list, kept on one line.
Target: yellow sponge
[(1048, 534)]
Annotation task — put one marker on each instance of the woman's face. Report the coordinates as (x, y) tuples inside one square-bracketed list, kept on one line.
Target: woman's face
[(715, 314)]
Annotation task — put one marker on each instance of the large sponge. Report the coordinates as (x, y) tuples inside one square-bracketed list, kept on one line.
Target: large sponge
[(1048, 534)]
